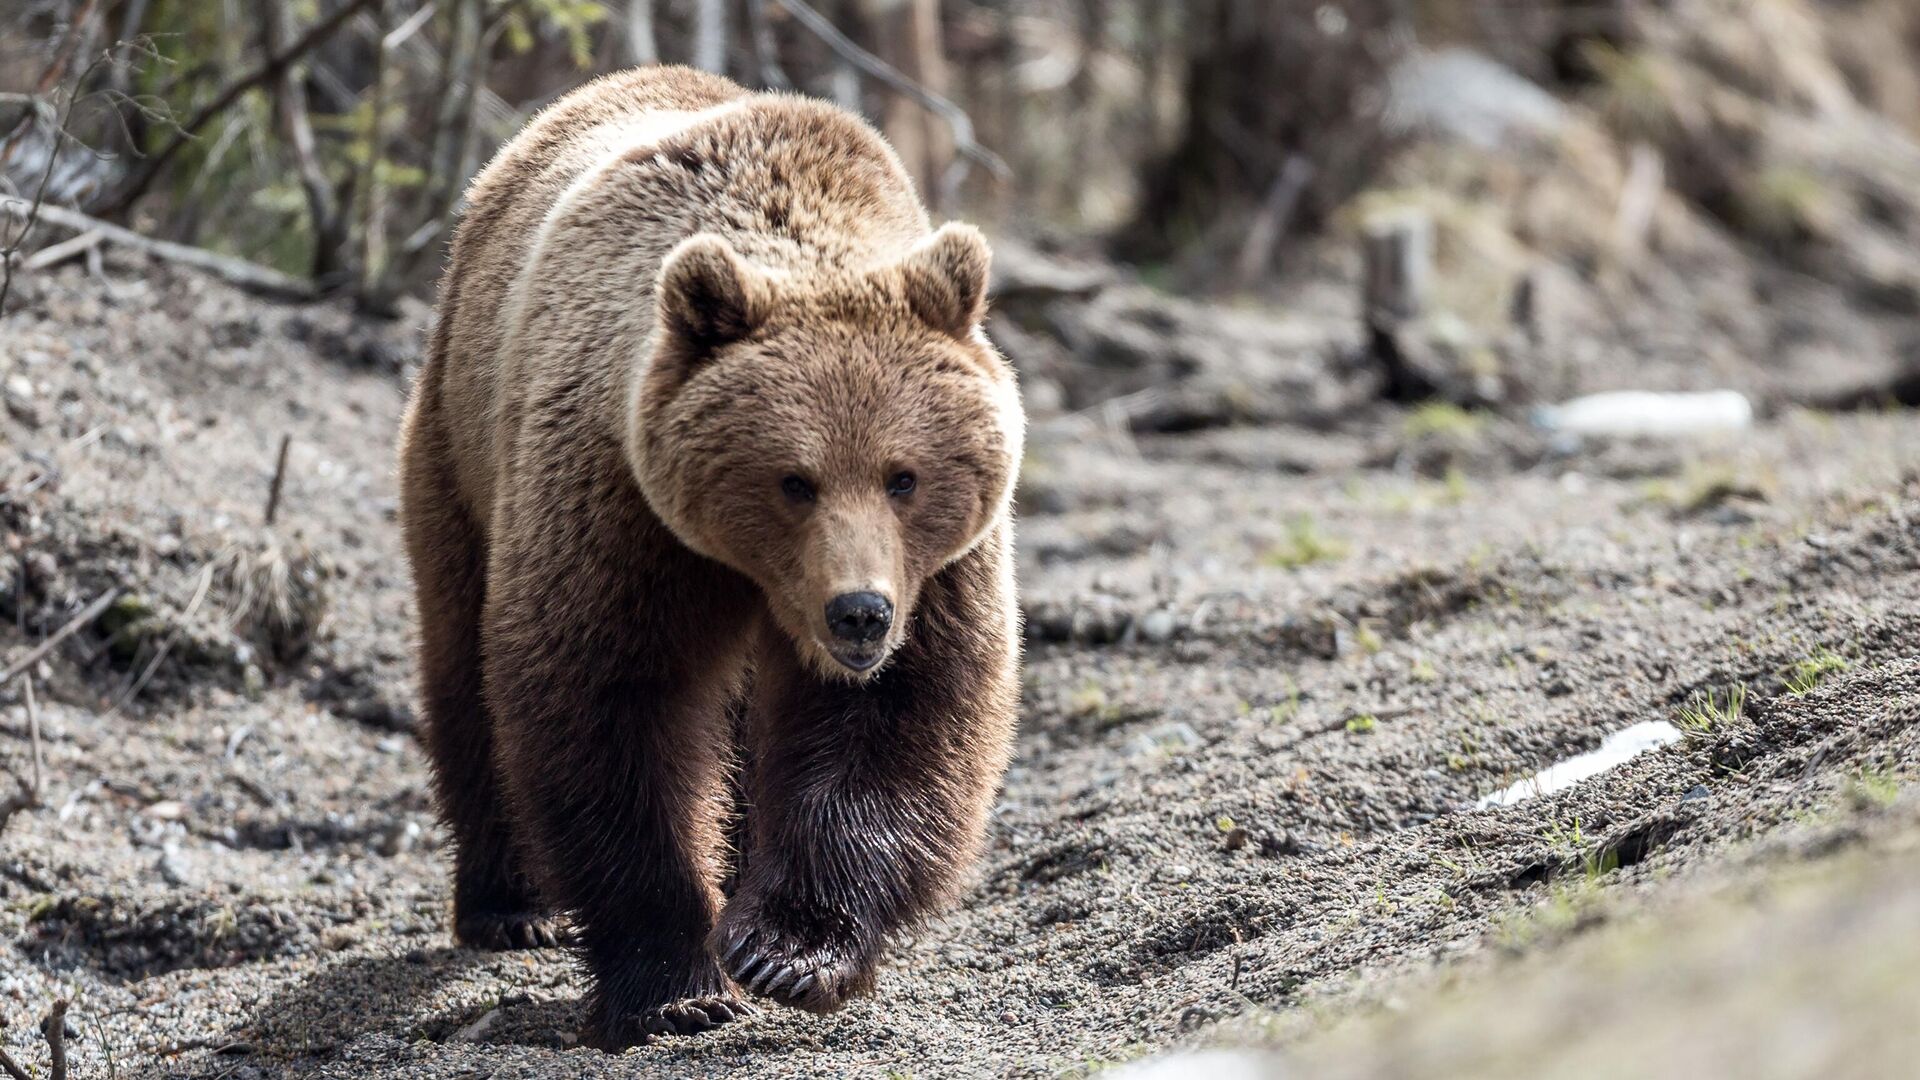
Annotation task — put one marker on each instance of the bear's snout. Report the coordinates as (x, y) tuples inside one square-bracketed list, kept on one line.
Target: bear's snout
[(859, 618)]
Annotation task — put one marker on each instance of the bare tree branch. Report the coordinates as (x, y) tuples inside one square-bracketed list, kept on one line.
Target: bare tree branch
[(36, 209), (957, 119), (277, 62)]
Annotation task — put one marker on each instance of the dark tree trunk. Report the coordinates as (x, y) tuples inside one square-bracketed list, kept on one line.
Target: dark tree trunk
[(1268, 82)]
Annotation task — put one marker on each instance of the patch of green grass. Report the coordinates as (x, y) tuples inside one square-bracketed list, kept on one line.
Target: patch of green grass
[(1810, 671), (1368, 639), (1467, 757), (1088, 700), (1570, 906), (1362, 724), (1636, 91), (1704, 487), (1784, 203), (1423, 671), (1599, 864), (1873, 789), (1565, 837), (1708, 713), (1304, 545), (1442, 418)]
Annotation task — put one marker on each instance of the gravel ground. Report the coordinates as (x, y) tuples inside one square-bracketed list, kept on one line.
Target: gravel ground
[(1272, 671)]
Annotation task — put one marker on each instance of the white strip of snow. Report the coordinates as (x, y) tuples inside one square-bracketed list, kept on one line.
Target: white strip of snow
[(1614, 750)]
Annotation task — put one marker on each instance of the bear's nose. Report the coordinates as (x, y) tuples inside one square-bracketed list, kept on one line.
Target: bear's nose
[(859, 617)]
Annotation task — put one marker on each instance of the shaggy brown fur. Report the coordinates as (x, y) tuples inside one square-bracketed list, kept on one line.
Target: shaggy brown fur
[(701, 368)]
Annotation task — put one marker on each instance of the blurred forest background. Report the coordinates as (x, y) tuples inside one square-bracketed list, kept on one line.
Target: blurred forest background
[(331, 139)]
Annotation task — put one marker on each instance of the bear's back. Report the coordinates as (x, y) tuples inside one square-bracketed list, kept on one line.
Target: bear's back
[(553, 265)]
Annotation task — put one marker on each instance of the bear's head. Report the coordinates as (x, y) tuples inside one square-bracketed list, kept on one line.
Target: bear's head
[(837, 441)]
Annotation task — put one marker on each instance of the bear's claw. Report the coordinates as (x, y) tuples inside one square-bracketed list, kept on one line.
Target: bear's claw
[(686, 1016), (815, 979), (501, 932), (693, 1015)]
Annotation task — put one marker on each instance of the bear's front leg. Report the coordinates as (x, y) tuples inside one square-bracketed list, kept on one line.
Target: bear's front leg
[(612, 742), (868, 800)]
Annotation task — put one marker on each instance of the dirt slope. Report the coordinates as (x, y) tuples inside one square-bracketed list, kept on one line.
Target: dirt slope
[(1274, 668)]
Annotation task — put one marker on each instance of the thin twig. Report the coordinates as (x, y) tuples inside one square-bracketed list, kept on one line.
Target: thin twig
[(279, 477), (37, 209), (957, 119), (33, 737), (87, 615), (275, 63)]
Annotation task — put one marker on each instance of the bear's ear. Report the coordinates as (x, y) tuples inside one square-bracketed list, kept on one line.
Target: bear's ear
[(709, 296), (946, 279)]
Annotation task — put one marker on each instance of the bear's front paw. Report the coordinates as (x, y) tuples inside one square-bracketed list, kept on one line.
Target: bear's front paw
[(817, 978), (502, 931), (687, 1016)]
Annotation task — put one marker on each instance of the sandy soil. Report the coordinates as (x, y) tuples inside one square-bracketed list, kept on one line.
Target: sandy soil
[(1273, 669)]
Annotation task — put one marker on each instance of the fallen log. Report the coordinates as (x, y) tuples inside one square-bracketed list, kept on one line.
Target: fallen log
[(236, 272)]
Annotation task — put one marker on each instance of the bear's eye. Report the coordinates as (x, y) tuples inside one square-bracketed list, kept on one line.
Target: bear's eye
[(797, 489), (901, 484)]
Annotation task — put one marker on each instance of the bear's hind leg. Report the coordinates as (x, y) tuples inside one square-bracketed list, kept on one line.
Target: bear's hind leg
[(493, 905)]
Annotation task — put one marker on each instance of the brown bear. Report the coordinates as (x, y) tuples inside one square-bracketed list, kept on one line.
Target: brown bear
[(706, 487)]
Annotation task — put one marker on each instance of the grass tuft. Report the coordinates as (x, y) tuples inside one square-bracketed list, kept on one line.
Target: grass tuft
[(1304, 545), (1707, 713), (1810, 671)]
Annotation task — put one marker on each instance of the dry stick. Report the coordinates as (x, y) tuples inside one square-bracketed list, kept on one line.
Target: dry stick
[(279, 477), (957, 119), (275, 63), (33, 736), (55, 254), (237, 272), (54, 1027), (87, 614), (12, 1069)]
